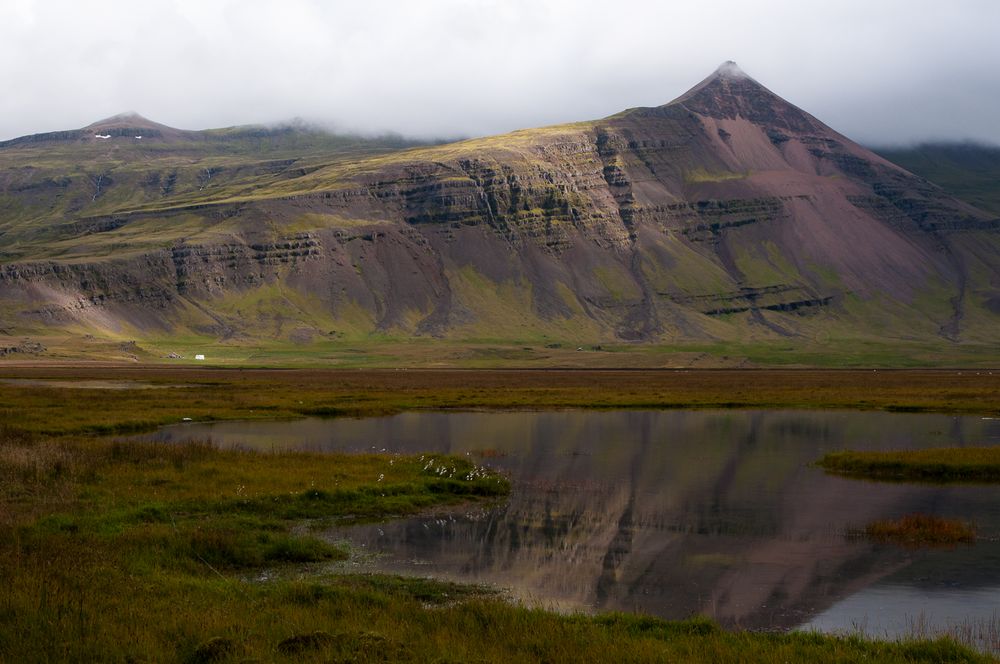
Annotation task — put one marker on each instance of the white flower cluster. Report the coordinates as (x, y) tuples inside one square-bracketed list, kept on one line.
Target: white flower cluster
[(477, 472)]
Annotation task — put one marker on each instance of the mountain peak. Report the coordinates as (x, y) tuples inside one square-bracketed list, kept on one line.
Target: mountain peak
[(729, 93), (729, 69), (129, 119), (127, 116), (133, 126), (727, 80)]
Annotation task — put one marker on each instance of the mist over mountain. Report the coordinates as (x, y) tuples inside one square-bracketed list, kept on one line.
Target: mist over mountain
[(878, 72)]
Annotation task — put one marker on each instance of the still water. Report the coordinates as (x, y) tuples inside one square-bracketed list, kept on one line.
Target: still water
[(675, 513)]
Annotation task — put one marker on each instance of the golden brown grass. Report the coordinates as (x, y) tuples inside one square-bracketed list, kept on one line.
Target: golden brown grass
[(256, 394)]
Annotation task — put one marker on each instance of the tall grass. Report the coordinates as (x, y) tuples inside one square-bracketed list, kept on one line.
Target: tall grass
[(982, 634)]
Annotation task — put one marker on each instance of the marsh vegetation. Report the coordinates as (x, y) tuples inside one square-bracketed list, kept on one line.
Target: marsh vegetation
[(120, 550)]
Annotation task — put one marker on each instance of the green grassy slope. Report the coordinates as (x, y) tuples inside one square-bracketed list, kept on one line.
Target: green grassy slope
[(55, 192), (967, 171)]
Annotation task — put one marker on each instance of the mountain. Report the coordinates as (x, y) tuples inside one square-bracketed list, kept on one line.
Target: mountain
[(969, 171), (726, 216)]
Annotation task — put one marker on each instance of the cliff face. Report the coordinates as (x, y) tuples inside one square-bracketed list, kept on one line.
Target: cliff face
[(725, 214)]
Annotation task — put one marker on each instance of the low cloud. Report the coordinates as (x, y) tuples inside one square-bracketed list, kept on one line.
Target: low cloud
[(883, 72)]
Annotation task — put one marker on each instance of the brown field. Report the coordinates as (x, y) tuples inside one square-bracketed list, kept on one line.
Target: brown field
[(205, 394)]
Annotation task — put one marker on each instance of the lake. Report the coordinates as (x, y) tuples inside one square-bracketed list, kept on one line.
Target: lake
[(675, 513)]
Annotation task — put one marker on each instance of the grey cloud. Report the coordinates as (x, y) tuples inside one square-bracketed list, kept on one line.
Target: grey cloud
[(880, 72)]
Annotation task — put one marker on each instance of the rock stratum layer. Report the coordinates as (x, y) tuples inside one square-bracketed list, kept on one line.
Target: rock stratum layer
[(726, 214)]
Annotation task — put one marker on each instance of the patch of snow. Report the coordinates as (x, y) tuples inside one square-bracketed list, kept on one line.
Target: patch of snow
[(103, 136), (199, 357)]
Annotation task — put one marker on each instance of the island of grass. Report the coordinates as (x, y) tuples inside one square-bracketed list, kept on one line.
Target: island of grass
[(941, 464)]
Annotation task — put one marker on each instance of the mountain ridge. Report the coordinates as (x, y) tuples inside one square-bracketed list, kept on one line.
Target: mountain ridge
[(726, 215)]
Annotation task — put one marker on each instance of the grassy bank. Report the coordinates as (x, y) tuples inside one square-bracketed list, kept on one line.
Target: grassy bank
[(130, 552), (206, 394), (120, 551), (943, 464)]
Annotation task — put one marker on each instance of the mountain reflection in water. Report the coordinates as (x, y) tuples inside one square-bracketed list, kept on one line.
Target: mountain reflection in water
[(673, 513)]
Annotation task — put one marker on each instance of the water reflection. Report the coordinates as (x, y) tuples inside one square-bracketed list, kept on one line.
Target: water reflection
[(675, 512)]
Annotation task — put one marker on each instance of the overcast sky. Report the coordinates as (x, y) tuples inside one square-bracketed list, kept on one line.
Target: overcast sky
[(880, 71)]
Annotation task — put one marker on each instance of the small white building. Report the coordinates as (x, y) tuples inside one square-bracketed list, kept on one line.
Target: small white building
[(199, 357)]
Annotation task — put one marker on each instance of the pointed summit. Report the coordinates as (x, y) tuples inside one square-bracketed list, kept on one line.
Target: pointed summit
[(728, 79), (730, 69), (729, 93)]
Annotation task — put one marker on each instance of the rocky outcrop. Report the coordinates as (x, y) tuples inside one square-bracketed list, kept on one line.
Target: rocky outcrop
[(26, 347)]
